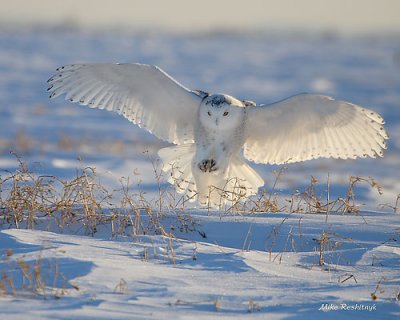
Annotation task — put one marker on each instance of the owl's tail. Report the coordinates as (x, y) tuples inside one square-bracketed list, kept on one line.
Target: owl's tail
[(177, 162), (238, 183), (228, 189), (242, 181)]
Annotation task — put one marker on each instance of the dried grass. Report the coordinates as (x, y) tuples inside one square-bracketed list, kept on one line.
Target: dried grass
[(37, 277), (27, 199)]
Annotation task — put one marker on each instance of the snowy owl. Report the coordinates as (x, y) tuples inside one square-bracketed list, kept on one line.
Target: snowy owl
[(213, 134)]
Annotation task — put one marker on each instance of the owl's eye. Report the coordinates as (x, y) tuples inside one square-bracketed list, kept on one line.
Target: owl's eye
[(209, 113), (225, 113)]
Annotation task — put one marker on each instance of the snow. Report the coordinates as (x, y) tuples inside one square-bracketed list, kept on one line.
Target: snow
[(226, 265), (227, 274)]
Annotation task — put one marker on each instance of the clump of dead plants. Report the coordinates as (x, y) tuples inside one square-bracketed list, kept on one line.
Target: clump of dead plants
[(32, 277), (311, 199), (27, 199)]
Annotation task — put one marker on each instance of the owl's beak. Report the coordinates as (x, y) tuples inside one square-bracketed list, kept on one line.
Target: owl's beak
[(216, 121)]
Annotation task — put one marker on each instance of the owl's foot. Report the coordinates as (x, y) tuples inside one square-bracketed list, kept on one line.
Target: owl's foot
[(208, 165)]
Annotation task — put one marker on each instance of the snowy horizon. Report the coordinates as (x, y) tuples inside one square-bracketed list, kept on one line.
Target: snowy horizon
[(358, 17)]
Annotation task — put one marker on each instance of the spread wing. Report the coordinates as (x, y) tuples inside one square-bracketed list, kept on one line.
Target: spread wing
[(144, 94), (309, 126)]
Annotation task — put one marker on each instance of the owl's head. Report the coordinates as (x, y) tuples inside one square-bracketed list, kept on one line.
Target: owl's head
[(221, 111)]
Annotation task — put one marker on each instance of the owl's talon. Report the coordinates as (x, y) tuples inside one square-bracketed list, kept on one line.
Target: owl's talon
[(203, 165), (212, 165), (208, 165)]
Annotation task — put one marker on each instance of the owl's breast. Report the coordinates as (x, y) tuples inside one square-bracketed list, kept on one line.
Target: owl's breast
[(214, 142)]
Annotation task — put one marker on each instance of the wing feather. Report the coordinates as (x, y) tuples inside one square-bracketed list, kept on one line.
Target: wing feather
[(144, 94), (310, 126)]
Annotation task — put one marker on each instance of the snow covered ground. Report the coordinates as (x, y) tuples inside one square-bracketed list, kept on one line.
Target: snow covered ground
[(264, 266), (228, 265)]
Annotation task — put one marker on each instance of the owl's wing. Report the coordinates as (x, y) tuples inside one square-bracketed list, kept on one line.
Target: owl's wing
[(309, 126), (144, 94)]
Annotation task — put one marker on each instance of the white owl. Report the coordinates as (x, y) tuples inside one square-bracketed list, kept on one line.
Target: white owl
[(213, 133)]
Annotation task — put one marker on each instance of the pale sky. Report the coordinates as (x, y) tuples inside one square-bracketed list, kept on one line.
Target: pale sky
[(345, 16)]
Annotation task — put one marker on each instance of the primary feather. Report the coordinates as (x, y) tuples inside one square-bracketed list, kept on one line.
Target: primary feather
[(213, 132)]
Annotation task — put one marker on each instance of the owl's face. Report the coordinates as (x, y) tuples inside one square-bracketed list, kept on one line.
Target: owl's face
[(220, 111)]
